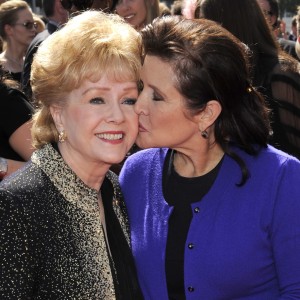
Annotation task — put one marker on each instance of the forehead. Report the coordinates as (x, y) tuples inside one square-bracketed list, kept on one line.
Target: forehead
[(24, 14), (157, 69)]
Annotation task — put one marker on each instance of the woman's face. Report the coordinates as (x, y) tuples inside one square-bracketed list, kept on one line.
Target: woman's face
[(133, 11), (163, 119), (99, 121), (266, 8), (23, 30)]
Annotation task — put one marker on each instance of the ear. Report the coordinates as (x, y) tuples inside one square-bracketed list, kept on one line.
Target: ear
[(208, 116), (56, 113), (8, 29)]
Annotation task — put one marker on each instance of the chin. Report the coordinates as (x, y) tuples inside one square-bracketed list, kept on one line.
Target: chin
[(114, 160), (144, 144)]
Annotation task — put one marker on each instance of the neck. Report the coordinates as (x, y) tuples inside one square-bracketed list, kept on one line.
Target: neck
[(194, 163), (13, 60), (91, 173), (15, 50)]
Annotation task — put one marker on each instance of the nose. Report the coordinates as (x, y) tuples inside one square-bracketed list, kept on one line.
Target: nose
[(140, 106), (115, 114)]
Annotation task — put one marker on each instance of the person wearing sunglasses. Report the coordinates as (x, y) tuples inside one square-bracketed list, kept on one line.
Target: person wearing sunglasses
[(17, 29), (57, 16)]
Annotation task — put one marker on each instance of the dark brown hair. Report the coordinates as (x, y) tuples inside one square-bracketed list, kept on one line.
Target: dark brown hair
[(245, 20), (210, 63)]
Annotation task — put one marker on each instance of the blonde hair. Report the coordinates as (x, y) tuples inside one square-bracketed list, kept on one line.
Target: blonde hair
[(89, 45), (9, 14), (41, 26)]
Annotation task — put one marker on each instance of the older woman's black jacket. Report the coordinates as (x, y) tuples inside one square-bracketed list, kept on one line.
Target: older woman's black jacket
[(52, 244)]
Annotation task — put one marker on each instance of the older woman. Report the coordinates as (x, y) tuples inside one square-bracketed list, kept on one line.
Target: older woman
[(63, 223), (138, 13), (214, 207), (17, 29)]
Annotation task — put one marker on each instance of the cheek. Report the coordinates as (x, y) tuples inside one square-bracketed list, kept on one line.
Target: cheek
[(132, 119), (74, 117)]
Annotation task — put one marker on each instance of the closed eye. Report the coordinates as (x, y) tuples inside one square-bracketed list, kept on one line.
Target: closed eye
[(157, 97)]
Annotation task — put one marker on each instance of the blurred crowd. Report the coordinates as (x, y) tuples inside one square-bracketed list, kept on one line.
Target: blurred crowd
[(213, 95)]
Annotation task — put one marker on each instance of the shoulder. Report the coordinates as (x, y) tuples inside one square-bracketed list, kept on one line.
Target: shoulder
[(143, 164), (146, 157), (13, 99), (271, 162), (26, 183), (39, 38)]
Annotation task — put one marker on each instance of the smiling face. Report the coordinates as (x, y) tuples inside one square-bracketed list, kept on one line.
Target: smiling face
[(163, 119), (133, 11), (99, 121)]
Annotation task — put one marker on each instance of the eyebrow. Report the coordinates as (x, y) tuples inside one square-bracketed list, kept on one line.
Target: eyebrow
[(153, 87), (108, 88)]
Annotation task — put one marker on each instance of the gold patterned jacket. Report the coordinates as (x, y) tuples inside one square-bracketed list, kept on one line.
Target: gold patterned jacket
[(52, 244)]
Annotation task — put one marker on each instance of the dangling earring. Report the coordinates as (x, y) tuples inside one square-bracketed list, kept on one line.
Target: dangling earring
[(204, 134), (62, 136)]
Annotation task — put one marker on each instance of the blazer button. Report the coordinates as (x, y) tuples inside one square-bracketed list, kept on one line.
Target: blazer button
[(196, 209), (190, 289), (190, 245)]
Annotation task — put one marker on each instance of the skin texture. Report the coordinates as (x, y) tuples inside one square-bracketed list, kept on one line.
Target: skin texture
[(164, 121), (95, 108), (160, 109), (133, 11)]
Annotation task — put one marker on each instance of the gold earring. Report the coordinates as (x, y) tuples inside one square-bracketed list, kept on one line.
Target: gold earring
[(62, 136)]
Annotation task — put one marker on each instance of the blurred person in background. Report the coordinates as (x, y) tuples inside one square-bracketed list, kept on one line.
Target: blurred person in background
[(77, 6), (15, 126), (270, 9), (138, 13), (298, 32), (176, 7), (64, 228), (41, 26), (56, 16), (274, 72), (164, 9), (17, 30), (107, 6), (292, 36)]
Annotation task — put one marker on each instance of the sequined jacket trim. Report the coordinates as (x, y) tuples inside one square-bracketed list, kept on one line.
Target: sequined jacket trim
[(52, 242)]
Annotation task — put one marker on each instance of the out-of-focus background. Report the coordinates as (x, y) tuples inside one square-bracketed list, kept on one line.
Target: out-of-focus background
[(288, 9)]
